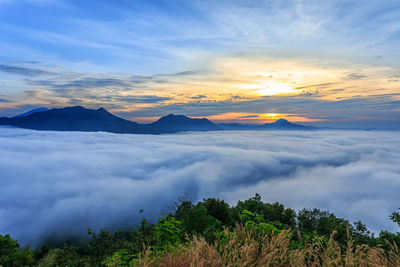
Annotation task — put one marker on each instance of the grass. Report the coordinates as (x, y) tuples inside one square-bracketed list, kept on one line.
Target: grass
[(249, 247)]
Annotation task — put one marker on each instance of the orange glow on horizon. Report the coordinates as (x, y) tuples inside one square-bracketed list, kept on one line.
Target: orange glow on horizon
[(239, 117), (254, 118)]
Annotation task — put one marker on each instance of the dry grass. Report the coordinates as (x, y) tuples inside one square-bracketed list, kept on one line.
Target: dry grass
[(244, 247)]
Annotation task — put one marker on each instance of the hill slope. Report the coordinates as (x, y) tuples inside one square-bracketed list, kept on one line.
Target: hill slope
[(74, 119), (92, 120), (283, 124), (175, 123)]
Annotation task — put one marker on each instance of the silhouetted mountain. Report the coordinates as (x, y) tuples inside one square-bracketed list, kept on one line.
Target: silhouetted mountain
[(175, 123), (283, 124), (74, 119), (31, 112), (92, 120), (280, 124)]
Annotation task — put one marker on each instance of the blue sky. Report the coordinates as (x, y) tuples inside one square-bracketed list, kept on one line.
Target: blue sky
[(315, 62)]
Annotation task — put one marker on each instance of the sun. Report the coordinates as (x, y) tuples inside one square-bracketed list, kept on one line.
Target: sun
[(271, 116)]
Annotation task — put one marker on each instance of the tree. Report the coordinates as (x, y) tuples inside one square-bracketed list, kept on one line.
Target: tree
[(12, 255), (273, 213), (167, 233), (220, 210), (196, 221), (323, 223), (395, 217)]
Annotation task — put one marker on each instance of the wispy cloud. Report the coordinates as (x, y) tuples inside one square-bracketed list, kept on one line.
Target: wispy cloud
[(24, 71), (144, 99), (355, 76)]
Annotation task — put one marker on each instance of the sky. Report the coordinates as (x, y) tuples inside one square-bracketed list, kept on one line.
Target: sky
[(106, 178), (323, 63)]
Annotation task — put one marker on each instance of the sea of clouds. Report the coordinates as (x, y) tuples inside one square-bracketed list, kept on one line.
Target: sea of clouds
[(65, 182)]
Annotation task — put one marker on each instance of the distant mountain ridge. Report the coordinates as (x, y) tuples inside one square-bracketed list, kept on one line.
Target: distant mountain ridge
[(73, 119), (78, 118), (176, 123), (280, 124), (284, 124)]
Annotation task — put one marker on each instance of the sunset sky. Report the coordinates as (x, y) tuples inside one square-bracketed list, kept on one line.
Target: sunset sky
[(323, 63)]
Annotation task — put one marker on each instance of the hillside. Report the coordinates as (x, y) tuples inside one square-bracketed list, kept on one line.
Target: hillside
[(92, 120), (212, 233)]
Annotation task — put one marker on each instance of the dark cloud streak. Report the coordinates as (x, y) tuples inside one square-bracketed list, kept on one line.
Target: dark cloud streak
[(24, 71)]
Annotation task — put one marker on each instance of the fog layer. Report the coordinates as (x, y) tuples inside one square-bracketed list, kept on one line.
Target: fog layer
[(65, 182)]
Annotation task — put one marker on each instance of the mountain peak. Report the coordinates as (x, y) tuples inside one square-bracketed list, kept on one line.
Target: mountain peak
[(282, 122), (176, 123), (103, 110), (174, 116)]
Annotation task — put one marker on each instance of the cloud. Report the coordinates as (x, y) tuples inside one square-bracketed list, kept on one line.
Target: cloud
[(143, 99), (24, 71), (198, 97), (79, 84), (249, 116), (355, 76), (184, 73), (309, 93), (59, 182)]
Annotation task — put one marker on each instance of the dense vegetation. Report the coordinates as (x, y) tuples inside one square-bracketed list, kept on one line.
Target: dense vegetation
[(211, 233)]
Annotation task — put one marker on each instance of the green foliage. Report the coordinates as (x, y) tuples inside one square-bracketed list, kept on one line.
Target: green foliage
[(12, 255), (9, 250), (275, 212), (361, 234), (167, 233), (395, 217), (323, 223), (121, 258), (212, 220), (103, 244), (387, 240), (219, 210), (196, 221), (247, 216), (65, 256), (143, 235), (257, 223)]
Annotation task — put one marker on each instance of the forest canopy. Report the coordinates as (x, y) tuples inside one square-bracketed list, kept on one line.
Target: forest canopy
[(242, 234)]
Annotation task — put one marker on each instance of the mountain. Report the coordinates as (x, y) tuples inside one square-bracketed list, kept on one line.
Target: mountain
[(31, 112), (74, 119), (283, 124), (92, 120), (176, 123), (280, 124)]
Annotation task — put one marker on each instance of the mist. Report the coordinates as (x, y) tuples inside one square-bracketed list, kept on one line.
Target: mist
[(53, 183)]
